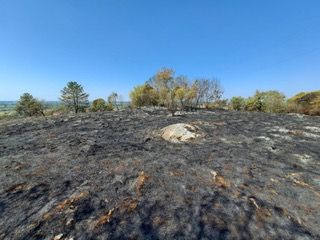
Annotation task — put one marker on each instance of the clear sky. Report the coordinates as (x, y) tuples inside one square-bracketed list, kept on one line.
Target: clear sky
[(113, 45)]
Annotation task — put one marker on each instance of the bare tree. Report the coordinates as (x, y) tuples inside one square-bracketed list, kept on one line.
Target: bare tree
[(113, 99), (207, 91), (214, 92)]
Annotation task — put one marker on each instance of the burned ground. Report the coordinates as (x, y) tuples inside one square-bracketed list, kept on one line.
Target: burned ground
[(111, 176)]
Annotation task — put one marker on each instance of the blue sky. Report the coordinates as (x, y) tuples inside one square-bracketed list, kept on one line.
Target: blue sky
[(113, 45)]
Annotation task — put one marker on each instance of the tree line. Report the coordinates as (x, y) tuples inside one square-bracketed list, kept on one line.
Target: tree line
[(165, 89), (276, 102), (73, 98)]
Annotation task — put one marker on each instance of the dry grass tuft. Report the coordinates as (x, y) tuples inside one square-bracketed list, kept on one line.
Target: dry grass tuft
[(220, 181), (17, 188), (128, 205), (105, 218), (142, 178)]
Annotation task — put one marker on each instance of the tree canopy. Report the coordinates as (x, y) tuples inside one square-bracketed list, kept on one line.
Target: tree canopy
[(74, 97), (29, 106), (176, 92)]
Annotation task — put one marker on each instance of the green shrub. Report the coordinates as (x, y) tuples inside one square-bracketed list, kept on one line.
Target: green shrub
[(109, 107), (237, 103), (99, 105), (29, 106), (255, 103), (269, 101), (274, 102), (305, 102)]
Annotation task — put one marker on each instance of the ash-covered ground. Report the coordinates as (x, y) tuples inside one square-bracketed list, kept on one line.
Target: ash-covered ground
[(111, 176)]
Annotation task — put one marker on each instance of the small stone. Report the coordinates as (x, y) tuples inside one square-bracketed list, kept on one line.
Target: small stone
[(69, 221), (214, 174), (58, 237)]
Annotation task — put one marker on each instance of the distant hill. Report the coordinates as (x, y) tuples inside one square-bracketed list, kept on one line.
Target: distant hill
[(8, 102), (7, 108)]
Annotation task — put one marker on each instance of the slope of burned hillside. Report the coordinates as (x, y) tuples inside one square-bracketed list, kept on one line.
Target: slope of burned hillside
[(111, 176)]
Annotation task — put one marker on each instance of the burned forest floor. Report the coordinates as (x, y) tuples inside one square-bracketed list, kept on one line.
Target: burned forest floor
[(111, 176)]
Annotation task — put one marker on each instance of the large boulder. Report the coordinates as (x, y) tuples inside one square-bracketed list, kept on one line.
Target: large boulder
[(180, 132)]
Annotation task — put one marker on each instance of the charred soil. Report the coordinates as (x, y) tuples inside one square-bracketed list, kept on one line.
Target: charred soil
[(112, 176)]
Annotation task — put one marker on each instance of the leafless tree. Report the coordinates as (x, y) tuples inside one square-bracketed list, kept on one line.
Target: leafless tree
[(207, 91)]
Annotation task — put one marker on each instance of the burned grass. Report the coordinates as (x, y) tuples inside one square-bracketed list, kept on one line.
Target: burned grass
[(108, 176)]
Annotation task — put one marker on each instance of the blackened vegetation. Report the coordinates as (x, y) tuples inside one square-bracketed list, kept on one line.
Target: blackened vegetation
[(111, 176)]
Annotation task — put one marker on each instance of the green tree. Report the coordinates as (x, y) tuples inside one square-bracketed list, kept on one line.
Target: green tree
[(144, 95), (74, 97), (237, 103), (274, 102), (184, 93), (29, 106), (166, 84), (175, 92), (99, 105)]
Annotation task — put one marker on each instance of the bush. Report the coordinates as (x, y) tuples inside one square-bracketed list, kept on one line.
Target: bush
[(255, 103), (99, 105), (269, 101), (274, 102), (306, 103), (29, 106), (109, 107), (237, 103)]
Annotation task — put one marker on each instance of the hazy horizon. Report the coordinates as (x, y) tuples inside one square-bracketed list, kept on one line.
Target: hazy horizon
[(115, 45)]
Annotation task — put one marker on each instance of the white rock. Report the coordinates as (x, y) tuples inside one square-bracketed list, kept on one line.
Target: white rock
[(180, 132), (214, 174)]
